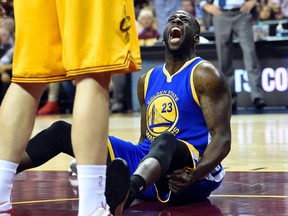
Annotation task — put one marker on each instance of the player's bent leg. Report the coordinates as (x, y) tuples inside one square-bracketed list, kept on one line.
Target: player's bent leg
[(182, 159), (17, 116), (153, 166), (89, 139), (46, 145)]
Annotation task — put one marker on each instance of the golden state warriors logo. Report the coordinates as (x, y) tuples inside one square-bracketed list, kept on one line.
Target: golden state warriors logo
[(162, 115)]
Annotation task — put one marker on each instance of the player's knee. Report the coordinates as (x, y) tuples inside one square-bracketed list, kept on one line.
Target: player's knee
[(165, 141), (167, 135), (59, 125)]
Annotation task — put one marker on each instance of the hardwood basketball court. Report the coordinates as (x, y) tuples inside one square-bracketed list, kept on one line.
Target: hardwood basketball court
[(256, 182)]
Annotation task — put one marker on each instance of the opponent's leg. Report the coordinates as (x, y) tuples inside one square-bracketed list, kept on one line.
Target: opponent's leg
[(46, 145), (89, 139), (17, 116)]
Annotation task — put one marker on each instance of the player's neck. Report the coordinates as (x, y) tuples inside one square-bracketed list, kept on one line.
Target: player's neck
[(175, 62)]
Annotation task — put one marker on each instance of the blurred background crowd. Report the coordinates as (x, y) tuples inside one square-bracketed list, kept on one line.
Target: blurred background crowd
[(151, 20)]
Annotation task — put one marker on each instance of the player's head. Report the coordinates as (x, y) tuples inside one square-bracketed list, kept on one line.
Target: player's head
[(181, 32)]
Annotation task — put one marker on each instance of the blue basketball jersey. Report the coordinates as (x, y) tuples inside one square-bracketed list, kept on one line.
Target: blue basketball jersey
[(172, 105)]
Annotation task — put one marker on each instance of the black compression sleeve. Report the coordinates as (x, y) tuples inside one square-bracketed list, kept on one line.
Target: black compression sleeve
[(50, 142)]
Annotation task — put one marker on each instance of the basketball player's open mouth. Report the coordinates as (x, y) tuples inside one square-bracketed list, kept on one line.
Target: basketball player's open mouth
[(175, 35)]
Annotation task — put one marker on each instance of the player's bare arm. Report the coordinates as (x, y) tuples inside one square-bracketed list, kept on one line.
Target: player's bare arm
[(215, 100), (141, 99)]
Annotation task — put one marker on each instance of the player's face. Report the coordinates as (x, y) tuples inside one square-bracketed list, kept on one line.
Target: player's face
[(178, 33)]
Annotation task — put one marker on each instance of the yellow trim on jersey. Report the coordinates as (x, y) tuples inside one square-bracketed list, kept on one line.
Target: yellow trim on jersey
[(194, 93), (167, 74), (192, 150), (110, 150), (40, 79), (159, 198), (146, 82)]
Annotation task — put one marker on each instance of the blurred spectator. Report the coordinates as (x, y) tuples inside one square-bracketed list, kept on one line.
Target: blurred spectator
[(5, 41), (149, 35), (9, 24), (164, 8), (52, 105), (188, 6), (284, 8), (139, 4), (279, 8), (120, 93), (233, 17), (6, 71), (70, 89), (8, 7), (265, 12)]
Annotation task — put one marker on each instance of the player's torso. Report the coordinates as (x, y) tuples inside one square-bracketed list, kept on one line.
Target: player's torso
[(173, 106)]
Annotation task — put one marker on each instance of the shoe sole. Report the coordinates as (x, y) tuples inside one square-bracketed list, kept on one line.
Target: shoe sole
[(117, 185)]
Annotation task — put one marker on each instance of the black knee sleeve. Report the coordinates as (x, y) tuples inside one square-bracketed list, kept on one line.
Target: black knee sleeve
[(162, 149), (50, 142)]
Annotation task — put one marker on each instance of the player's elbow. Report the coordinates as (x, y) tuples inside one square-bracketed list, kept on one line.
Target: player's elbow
[(226, 144)]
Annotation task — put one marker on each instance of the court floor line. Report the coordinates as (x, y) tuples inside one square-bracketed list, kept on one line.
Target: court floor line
[(257, 171), (248, 196), (213, 195), (45, 201), (227, 170)]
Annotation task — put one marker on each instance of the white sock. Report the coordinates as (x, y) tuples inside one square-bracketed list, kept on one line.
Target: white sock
[(92, 181), (7, 173)]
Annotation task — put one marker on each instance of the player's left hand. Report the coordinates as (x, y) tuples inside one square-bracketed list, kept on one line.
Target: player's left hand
[(179, 181), (247, 6)]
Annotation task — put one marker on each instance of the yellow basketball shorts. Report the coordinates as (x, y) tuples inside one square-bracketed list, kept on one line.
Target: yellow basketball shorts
[(59, 39)]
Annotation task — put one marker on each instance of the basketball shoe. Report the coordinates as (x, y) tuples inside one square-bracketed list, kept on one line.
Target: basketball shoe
[(117, 185)]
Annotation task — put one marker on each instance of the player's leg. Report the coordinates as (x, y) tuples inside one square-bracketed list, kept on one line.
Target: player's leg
[(46, 145), (106, 46), (155, 164), (36, 60), (166, 154), (17, 116), (89, 138)]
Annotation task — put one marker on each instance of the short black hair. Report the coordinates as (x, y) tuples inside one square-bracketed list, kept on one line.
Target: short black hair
[(195, 24)]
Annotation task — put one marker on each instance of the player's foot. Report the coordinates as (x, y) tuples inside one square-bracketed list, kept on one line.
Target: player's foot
[(117, 185), (10, 212), (49, 108), (101, 211)]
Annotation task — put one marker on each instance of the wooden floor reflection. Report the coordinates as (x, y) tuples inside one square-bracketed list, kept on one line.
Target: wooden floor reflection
[(256, 182)]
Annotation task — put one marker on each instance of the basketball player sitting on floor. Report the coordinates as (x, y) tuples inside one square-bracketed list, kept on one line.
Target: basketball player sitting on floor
[(185, 127)]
